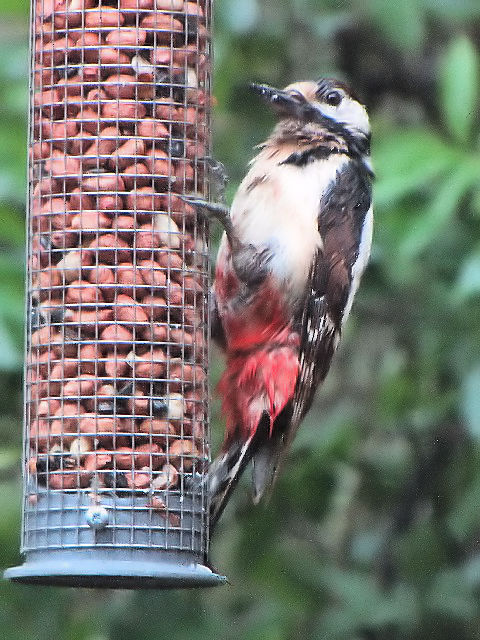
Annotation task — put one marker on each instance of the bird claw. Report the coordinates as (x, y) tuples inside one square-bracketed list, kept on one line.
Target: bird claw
[(217, 174), (211, 210), (195, 483)]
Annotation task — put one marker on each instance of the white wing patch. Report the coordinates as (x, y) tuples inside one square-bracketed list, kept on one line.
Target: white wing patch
[(361, 262)]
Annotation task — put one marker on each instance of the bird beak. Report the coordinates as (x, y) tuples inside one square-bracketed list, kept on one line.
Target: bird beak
[(283, 103)]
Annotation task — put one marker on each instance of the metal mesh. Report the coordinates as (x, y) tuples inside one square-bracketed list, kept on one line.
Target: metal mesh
[(117, 336)]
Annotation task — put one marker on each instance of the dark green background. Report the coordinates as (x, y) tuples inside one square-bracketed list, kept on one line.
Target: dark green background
[(373, 530)]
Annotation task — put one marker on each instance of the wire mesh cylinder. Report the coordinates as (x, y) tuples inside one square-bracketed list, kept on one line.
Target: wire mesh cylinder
[(116, 427)]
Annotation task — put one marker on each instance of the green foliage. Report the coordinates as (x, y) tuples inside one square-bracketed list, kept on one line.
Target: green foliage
[(372, 531), (459, 88)]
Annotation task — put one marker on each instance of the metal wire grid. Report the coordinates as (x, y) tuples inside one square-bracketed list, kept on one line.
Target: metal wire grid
[(117, 335)]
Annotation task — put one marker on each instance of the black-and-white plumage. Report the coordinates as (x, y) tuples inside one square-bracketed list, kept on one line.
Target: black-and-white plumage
[(297, 241)]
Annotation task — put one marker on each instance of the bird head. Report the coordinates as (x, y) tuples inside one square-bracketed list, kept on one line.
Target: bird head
[(327, 101)]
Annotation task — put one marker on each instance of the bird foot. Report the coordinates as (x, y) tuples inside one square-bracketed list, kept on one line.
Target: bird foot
[(196, 483), (217, 175), (211, 210)]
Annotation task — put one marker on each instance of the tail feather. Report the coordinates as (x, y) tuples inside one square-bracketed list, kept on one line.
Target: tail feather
[(263, 470), (226, 470), (257, 387), (267, 457)]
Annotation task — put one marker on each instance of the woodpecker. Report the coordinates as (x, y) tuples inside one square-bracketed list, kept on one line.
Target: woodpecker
[(296, 242)]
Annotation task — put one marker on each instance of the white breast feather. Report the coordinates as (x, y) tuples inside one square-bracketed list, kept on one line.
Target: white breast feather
[(282, 213)]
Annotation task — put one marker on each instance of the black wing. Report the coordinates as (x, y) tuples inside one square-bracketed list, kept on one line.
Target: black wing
[(341, 219)]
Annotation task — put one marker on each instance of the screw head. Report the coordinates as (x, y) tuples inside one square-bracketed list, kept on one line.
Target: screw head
[(97, 517)]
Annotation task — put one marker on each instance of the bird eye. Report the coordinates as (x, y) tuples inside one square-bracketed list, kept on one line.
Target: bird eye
[(333, 98)]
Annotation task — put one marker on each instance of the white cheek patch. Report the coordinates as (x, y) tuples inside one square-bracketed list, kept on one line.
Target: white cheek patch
[(354, 116), (351, 114)]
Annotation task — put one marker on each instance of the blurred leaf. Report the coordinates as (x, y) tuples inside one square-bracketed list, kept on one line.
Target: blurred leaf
[(420, 551), (10, 353), (15, 7), (471, 401), (402, 24), (452, 595), (459, 84), (362, 605), (464, 517), (12, 228), (239, 16), (454, 9), (442, 207), (9, 522), (468, 282), (409, 160)]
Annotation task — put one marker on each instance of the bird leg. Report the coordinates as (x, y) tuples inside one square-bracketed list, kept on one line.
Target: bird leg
[(214, 210), (250, 263)]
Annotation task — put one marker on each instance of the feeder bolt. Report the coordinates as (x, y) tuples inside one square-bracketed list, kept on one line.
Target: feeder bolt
[(97, 517)]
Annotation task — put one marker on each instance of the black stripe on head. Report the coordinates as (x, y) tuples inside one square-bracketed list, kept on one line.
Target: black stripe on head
[(301, 158), (358, 143), (325, 85)]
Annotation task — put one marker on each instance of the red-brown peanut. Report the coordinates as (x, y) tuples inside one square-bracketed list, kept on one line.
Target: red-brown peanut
[(90, 221), (151, 128), (138, 405), (138, 5), (93, 424), (82, 291), (90, 358), (136, 175), (124, 226), (64, 166), (126, 153), (152, 273), (97, 460), (88, 320), (111, 250), (109, 202), (183, 454), (84, 385), (118, 336), (103, 182), (129, 311), (130, 280), (162, 430), (155, 332), (48, 407), (164, 25), (46, 284), (104, 278), (123, 110), (155, 307), (144, 199), (80, 201), (166, 479), (125, 37), (104, 17), (42, 338), (120, 86), (152, 365), (115, 364)]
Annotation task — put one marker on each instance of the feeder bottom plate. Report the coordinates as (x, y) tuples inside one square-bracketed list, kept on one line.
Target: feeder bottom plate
[(76, 569)]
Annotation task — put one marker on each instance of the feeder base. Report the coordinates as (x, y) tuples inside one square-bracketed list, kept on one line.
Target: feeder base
[(88, 568)]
